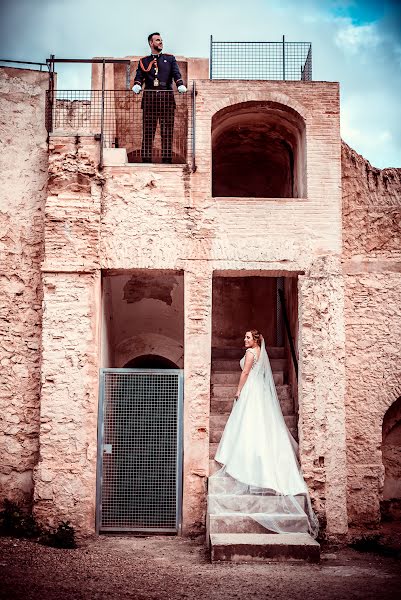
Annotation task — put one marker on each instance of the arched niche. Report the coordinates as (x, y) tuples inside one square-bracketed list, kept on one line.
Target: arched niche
[(258, 151), (391, 453), (150, 361)]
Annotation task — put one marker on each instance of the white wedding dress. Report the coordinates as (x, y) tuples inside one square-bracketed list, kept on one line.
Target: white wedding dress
[(259, 458)]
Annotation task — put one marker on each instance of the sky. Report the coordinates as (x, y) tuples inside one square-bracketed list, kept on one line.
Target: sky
[(354, 42)]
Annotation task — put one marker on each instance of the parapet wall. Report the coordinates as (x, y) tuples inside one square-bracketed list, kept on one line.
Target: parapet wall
[(23, 183), (372, 271)]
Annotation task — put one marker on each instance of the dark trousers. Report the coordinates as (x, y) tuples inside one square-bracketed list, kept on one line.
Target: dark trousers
[(157, 107)]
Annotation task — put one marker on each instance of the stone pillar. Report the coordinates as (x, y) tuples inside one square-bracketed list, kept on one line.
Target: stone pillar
[(65, 478), (197, 359), (321, 394)]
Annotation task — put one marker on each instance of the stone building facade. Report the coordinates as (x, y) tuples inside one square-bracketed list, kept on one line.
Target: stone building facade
[(102, 266)]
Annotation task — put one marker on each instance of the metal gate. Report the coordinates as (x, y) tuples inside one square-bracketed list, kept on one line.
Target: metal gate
[(139, 469)]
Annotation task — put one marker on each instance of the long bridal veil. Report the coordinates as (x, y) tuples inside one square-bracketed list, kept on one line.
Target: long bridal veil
[(261, 477)]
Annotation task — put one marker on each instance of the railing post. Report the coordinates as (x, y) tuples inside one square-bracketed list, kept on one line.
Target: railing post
[(102, 118), (283, 57), (211, 58), (50, 97), (193, 126), (288, 331)]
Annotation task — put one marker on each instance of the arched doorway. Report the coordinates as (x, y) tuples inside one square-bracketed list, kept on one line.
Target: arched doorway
[(150, 361), (391, 452), (258, 150)]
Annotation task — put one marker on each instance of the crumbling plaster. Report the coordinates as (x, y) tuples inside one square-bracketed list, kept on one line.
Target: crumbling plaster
[(23, 182)]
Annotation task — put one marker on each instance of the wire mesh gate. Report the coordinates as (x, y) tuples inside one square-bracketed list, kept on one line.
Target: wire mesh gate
[(291, 61), (139, 478)]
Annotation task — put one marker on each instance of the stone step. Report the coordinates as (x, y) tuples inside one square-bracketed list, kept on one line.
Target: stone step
[(219, 485), (238, 352), (224, 365), (233, 378), (219, 406), (243, 523), (248, 503), (218, 422), (266, 547)]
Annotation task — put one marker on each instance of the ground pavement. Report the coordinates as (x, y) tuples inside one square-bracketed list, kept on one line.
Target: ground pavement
[(164, 568)]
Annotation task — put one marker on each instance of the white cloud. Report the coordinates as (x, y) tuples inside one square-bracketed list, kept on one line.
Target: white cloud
[(354, 38)]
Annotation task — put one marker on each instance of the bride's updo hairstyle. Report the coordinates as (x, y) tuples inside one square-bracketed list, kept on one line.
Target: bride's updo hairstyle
[(257, 336)]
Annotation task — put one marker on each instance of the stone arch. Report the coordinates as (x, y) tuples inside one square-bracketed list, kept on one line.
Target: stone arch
[(390, 505), (150, 361), (258, 150), (153, 344), (264, 96)]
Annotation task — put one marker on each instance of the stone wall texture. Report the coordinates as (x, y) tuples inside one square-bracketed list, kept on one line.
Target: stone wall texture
[(23, 182), (372, 271), (65, 477)]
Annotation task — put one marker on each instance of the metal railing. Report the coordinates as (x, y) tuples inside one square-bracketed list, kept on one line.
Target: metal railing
[(152, 127), (290, 61), (23, 62)]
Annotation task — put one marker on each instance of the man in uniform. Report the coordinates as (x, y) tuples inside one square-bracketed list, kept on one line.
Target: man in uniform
[(157, 71)]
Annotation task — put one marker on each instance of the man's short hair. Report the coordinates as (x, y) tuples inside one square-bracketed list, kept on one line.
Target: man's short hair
[(151, 35)]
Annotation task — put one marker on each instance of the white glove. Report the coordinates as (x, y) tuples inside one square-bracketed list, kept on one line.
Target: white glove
[(137, 88), (182, 89)]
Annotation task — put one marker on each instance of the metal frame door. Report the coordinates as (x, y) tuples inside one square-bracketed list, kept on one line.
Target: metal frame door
[(140, 448)]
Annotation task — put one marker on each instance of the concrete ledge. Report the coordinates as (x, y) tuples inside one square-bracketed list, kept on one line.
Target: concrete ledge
[(247, 547)]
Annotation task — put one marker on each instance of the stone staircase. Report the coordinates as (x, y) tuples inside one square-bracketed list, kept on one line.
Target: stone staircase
[(238, 537)]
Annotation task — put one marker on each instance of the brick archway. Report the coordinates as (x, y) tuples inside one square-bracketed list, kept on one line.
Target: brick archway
[(258, 150)]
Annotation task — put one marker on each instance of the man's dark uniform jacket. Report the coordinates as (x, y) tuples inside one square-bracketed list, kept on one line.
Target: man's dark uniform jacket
[(168, 71), (158, 103)]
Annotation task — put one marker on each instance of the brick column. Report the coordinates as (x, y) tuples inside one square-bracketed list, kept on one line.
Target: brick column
[(197, 358), (65, 477), (321, 396)]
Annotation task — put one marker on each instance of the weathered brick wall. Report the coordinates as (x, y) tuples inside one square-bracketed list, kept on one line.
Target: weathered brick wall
[(372, 268), (65, 477), (23, 181)]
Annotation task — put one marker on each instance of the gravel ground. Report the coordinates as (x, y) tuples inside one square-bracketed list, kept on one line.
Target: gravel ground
[(164, 568)]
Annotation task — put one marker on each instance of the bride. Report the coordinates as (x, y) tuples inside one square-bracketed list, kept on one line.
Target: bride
[(259, 454)]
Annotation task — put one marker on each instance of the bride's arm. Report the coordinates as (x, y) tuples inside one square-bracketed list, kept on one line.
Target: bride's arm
[(245, 372)]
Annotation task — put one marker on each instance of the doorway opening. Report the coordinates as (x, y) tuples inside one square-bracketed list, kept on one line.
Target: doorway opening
[(139, 480), (242, 302), (258, 151), (391, 451)]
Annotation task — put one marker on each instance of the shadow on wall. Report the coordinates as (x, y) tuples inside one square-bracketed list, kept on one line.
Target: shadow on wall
[(258, 151), (391, 451)]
